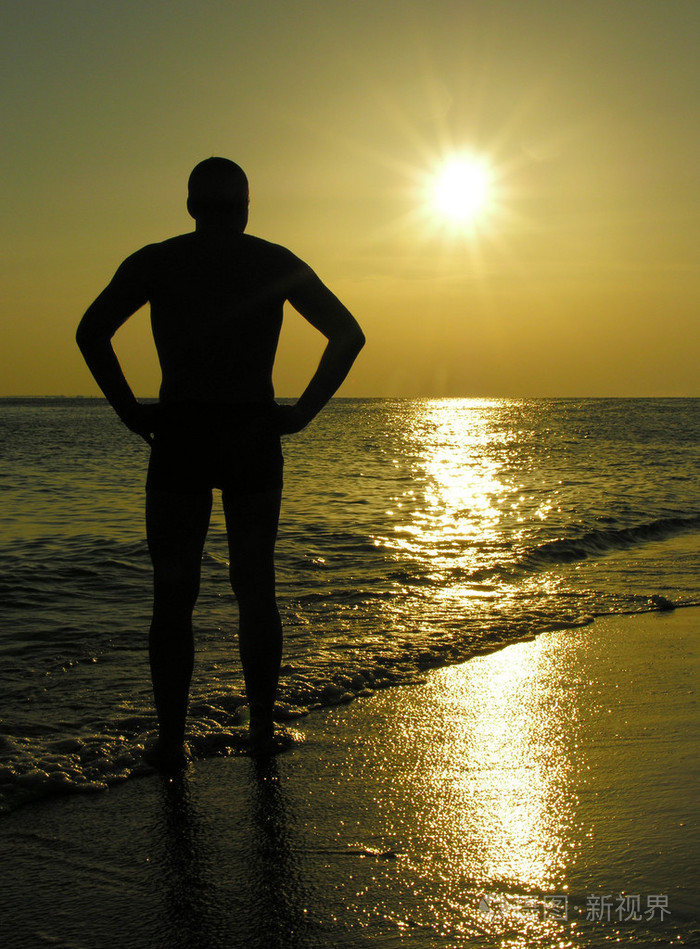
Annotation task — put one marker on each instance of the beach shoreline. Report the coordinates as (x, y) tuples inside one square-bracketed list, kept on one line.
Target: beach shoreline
[(535, 794)]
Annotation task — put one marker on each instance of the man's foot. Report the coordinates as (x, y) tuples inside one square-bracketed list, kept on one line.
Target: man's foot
[(265, 742), (168, 759), (261, 733)]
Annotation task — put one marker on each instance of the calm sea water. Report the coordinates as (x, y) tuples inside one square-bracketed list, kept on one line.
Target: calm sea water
[(415, 533)]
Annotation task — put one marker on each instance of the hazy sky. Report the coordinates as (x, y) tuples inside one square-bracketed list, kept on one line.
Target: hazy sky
[(581, 277)]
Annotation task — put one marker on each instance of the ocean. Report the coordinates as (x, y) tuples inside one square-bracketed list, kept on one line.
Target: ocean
[(415, 533)]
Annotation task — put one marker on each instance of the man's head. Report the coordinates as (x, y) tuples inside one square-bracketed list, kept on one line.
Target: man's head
[(217, 193)]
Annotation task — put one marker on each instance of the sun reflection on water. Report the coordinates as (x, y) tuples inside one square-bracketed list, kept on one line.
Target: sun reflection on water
[(461, 494), (504, 756), (466, 507), (496, 802)]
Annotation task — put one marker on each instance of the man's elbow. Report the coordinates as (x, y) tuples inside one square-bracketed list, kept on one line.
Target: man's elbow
[(347, 342), (355, 339), (81, 336), (85, 338), (90, 335)]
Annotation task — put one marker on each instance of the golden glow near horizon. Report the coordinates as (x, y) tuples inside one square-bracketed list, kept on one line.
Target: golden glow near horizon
[(482, 184)]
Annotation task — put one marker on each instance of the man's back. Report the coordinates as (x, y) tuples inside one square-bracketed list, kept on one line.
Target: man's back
[(216, 311)]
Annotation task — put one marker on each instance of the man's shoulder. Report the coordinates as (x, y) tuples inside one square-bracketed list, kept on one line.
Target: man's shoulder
[(268, 250), (192, 242), (260, 259), (273, 261), (170, 245), (152, 252)]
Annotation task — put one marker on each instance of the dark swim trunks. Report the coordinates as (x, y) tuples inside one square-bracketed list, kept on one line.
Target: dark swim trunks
[(200, 446)]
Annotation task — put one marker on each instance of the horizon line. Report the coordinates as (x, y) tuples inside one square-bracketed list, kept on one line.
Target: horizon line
[(350, 398)]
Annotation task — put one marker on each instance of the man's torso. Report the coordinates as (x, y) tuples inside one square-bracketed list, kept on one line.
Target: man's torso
[(216, 313)]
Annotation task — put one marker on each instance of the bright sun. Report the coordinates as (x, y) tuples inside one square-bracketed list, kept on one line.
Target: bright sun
[(461, 190)]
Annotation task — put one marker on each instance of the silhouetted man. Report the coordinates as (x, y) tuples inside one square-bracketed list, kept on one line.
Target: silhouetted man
[(216, 298)]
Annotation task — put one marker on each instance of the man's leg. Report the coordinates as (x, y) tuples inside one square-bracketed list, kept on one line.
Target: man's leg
[(176, 527), (251, 523)]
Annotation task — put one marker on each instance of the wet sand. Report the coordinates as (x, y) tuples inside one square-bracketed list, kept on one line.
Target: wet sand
[(501, 802)]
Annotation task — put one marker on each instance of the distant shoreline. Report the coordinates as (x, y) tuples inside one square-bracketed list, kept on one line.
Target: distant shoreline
[(33, 399)]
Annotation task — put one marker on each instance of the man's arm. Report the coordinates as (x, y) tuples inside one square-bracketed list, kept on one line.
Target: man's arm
[(323, 310), (124, 295)]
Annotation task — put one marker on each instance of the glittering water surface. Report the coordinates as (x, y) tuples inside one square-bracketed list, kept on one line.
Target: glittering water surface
[(415, 533)]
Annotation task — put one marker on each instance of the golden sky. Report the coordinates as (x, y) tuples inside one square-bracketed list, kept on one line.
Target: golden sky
[(580, 277)]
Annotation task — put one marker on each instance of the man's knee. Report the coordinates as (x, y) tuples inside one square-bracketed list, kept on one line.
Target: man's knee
[(176, 585), (253, 585)]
